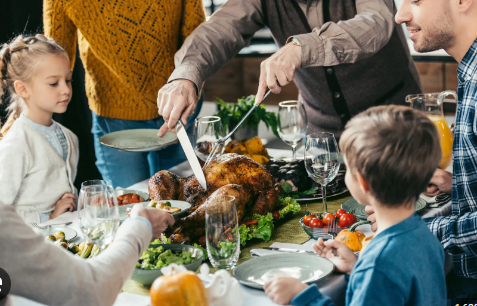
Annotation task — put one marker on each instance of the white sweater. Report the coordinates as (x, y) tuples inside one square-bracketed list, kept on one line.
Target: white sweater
[(33, 176), (48, 274)]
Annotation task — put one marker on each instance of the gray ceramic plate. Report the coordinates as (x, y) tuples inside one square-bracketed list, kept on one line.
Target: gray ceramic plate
[(139, 140), (147, 277), (307, 268), (358, 209), (51, 230)]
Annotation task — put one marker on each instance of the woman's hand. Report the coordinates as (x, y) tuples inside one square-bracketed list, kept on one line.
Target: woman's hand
[(66, 203), (345, 259)]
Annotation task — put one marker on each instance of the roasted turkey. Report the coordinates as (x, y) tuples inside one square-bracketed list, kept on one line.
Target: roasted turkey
[(251, 184)]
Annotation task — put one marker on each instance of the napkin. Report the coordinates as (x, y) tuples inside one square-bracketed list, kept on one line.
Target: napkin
[(128, 299), (62, 219), (265, 252)]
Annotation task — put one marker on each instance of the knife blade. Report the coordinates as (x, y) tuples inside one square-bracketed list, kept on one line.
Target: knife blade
[(190, 154)]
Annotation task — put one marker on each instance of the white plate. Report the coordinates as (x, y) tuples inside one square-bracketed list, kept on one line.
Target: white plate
[(138, 140), (184, 206), (51, 230)]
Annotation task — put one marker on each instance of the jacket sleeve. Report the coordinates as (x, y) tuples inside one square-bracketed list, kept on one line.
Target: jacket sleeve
[(311, 296), (215, 42), (60, 27), (350, 40), (71, 280)]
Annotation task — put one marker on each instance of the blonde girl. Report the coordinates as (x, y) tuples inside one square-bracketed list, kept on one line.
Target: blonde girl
[(38, 156)]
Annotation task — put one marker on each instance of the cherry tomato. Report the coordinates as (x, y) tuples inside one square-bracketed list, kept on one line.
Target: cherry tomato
[(347, 220), (328, 218), (316, 222), (307, 219), (340, 212), (230, 238), (202, 242), (276, 215)]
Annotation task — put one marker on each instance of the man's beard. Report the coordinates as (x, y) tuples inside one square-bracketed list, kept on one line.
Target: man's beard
[(439, 37)]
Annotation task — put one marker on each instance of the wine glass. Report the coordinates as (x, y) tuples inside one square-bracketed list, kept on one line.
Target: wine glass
[(221, 232), (322, 160), (98, 212), (292, 123), (207, 130)]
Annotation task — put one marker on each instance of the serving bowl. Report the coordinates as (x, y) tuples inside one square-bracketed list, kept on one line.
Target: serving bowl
[(147, 277)]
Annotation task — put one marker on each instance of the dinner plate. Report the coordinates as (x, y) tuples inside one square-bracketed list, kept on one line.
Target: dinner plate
[(51, 230), (307, 268), (358, 209), (138, 140), (184, 206)]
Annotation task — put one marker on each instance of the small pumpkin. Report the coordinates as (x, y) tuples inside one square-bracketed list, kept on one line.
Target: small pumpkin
[(178, 289), (351, 237)]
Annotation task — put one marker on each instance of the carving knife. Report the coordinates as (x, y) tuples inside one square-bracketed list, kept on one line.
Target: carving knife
[(190, 154)]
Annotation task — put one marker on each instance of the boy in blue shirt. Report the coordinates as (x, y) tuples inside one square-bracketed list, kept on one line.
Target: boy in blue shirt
[(391, 153)]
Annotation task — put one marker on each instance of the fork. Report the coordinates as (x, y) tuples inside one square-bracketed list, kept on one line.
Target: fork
[(38, 226), (219, 144), (332, 229)]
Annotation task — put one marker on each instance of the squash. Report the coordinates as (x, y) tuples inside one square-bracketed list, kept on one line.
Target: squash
[(178, 289), (262, 160), (255, 147), (235, 146), (351, 237)]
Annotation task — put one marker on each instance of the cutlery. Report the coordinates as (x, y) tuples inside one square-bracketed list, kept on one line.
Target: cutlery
[(220, 143), (290, 250), (190, 154), (46, 226)]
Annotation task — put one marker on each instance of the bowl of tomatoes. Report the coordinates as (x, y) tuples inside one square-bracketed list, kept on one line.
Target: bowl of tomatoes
[(317, 225)]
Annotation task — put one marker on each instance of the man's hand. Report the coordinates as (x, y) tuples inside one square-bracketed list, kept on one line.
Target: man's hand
[(66, 203), (159, 218), (345, 259), (176, 100), (282, 290), (280, 67), (441, 182), (371, 217)]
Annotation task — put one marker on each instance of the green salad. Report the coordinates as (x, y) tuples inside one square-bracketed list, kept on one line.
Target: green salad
[(156, 258)]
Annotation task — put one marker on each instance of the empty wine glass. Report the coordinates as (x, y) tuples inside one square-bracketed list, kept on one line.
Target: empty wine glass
[(322, 160), (207, 130), (221, 232), (98, 212), (292, 123)]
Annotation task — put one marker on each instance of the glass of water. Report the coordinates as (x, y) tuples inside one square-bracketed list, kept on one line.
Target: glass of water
[(322, 160), (98, 212), (221, 232), (292, 123), (207, 130)]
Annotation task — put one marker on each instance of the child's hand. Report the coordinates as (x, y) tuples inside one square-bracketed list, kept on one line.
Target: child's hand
[(282, 290), (345, 259), (66, 203)]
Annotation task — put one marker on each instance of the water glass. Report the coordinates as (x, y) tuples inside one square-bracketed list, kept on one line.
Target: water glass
[(322, 160), (98, 212), (207, 130), (292, 123), (221, 232)]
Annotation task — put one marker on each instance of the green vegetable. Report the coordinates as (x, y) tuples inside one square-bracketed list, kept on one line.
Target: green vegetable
[(245, 234), (224, 249), (156, 258), (230, 115), (206, 256), (264, 227), (290, 205), (51, 238), (288, 191), (86, 250), (73, 248), (167, 204), (59, 235)]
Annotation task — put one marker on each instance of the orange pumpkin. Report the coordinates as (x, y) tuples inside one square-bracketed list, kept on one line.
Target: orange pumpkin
[(351, 237), (178, 289)]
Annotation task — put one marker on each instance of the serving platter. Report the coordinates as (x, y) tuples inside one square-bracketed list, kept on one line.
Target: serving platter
[(138, 140), (358, 209)]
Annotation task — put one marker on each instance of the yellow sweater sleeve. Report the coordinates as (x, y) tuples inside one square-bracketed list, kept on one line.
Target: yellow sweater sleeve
[(59, 26), (193, 14)]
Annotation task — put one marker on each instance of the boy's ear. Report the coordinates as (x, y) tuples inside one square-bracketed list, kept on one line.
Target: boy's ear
[(464, 5), (363, 184), (21, 89)]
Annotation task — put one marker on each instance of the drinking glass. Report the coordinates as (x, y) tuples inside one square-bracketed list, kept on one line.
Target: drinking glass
[(322, 160), (98, 212), (207, 130), (221, 232), (292, 123)]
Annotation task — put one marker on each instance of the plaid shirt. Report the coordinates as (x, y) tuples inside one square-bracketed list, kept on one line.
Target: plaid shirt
[(458, 232)]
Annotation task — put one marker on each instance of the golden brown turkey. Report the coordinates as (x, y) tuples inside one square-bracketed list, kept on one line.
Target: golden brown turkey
[(229, 174)]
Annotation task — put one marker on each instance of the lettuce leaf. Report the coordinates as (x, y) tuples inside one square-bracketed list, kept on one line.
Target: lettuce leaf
[(290, 205)]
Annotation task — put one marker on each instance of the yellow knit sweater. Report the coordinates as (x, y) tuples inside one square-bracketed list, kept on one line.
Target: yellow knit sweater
[(127, 48)]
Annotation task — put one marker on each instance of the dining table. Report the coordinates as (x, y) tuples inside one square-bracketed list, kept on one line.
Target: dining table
[(287, 231)]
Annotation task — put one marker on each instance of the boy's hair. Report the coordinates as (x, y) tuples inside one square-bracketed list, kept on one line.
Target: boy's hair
[(395, 149), (18, 60)]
